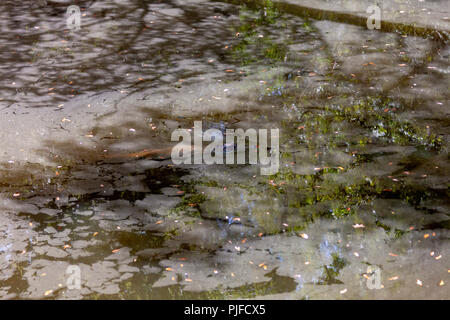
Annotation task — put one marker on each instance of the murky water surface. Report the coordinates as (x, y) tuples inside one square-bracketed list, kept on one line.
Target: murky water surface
[(363, 185)]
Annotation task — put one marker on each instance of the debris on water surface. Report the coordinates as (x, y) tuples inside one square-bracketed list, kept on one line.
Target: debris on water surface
[(393, 254)]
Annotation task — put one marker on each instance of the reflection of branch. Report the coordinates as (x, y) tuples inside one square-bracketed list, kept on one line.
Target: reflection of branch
[(142, 154), (70, 73), (7, 106), (139, 31)]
